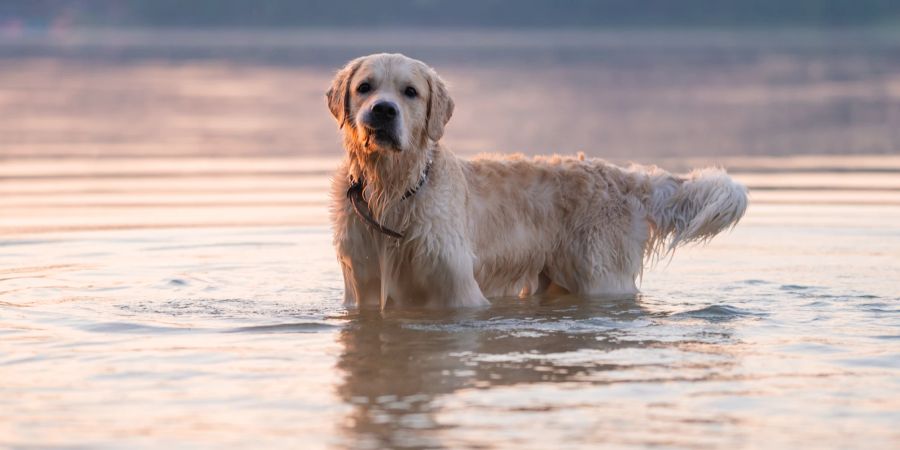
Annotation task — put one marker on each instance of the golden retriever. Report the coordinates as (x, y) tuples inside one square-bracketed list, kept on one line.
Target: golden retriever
[(415, 225)]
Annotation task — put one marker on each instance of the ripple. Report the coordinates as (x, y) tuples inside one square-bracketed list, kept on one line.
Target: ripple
[(795, 287), (891, 361), (17, 242), (718, 313), (126, 327), (534, 327), (301, 327), (882, 310), (879, 307), (592, 357), (230, 308), (218, 245)]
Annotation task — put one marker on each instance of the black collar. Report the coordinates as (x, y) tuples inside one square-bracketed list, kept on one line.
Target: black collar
[(361, 206)]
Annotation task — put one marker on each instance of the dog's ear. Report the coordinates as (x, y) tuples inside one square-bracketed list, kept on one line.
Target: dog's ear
[(440, 106), (338, 96)]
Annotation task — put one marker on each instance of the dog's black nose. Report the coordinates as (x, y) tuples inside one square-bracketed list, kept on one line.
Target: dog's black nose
[(384, 112)]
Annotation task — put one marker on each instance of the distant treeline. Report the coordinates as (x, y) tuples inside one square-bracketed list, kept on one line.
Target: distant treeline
[(453, 13)]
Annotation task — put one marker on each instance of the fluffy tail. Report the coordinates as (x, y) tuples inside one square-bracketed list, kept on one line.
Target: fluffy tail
[(692, 208)]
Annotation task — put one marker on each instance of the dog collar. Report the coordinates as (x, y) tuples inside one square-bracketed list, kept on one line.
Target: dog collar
[(361, 206)]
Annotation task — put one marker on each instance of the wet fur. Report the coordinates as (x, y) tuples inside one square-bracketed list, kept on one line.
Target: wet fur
[(499, 225)]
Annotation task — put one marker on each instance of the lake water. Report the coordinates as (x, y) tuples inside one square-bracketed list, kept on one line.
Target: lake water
[(167, 277), (150, 308)]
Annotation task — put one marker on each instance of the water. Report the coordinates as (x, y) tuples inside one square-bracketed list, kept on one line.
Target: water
[(625, 94), (155, 293), (136, 325)]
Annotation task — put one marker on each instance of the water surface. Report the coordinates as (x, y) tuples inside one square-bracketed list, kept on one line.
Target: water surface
[(626, 94), (149, 307), (167, 277)]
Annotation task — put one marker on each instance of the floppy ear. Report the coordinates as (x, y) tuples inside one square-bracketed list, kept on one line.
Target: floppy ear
[(338, 96), (440, 106)]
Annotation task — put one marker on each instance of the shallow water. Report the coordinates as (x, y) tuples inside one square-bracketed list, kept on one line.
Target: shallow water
[(127, 323), (167, 278)]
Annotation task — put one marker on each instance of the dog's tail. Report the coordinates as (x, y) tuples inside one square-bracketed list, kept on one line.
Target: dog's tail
[(692, 208)]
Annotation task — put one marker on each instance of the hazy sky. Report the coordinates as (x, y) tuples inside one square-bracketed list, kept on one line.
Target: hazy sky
[(479, 13)]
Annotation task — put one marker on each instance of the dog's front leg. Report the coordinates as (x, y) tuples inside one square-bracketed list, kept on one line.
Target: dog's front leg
[(360, 263), (440, 277), (362, 285), (454, 282)]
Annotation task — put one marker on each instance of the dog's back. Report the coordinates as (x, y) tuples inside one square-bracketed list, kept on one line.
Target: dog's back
[(586, 225)]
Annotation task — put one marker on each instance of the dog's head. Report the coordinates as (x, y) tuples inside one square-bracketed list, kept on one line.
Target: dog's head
[(388, 102)]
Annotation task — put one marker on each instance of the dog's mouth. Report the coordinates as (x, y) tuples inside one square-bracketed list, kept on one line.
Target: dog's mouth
[(382, 137)]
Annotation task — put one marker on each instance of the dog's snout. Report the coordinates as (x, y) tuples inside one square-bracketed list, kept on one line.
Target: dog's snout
[(384, 111), (382, 122)]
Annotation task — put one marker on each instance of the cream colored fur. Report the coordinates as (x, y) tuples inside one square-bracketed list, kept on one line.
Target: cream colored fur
[(498, 225)]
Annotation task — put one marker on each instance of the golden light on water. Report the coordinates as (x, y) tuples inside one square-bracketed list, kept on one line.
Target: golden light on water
[(167, 277)]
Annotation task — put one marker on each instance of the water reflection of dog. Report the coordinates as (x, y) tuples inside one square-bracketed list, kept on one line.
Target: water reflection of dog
[(397, 365)]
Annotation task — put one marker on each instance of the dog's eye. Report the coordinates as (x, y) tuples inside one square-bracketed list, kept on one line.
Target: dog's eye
[(363, 88), (411, 92)]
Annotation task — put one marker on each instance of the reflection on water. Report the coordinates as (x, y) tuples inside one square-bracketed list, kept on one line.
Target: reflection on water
[(398, 367), (626, 371), (157, 302), (237, 337), (156, 293)]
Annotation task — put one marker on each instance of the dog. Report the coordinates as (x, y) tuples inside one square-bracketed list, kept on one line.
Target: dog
[(416, 226)]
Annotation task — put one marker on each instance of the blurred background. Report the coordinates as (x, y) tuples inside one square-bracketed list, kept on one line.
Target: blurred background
[(612, 78), (145, 113), (166, 272)]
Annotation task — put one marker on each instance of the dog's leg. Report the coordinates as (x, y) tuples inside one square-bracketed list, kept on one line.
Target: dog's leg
[(355, 249), (602, 260), (453, 274), (608, 285), (360, 264), (454, 282), (589, 282), (433, 272), (362, 286), (359, 261)]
